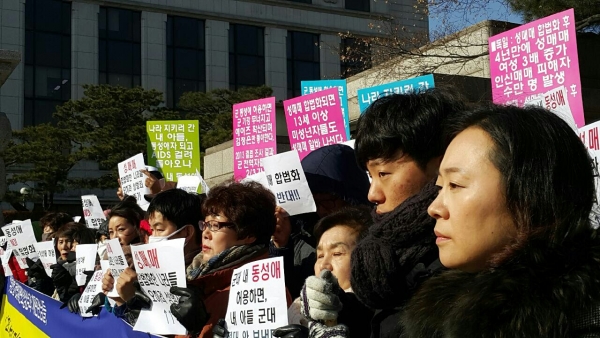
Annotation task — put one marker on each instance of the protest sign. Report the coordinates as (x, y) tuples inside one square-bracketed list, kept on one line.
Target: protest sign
[(590, 136), (257, 299), (92, 211), (47, 254), (259, 177), (159, 266), (254, 135), (309, 87), (174, 147), (287, 181), (86, 261), (5, 255), (91, 290), (191, 184), (104, 265), (314, 121), (116, 261), (534, 58), (133, 182), (366, 96), (21, 238)]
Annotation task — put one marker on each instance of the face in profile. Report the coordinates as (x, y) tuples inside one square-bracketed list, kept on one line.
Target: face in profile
[(334, 251), (119, 227), (472, 219), (218, 235)]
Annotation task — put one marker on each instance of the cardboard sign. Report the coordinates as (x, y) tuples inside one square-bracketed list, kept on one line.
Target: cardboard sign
[(366, 96), (535, 58), (314, 121), (257, 302), (86, 261), (254, 135), (133, 181), (21, 239), (91, 290), (159, 266), (92, 211), (117, 262), (47, 254), (174, 147), (309, 87), (288, 183)]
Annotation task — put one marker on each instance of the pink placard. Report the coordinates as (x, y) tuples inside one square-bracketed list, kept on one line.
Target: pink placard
[(253, 135), (535, 58), (314, 120)]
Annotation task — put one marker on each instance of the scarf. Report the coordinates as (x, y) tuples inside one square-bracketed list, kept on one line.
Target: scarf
[(227, 258)]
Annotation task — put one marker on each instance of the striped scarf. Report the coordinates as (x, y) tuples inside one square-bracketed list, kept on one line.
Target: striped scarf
[(230, 257)]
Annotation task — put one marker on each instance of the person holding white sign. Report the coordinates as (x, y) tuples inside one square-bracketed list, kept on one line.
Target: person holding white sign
[(238, 224), (52, 221), (124, 222)]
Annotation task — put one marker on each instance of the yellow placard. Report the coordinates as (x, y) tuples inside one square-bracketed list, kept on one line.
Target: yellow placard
[(15, 325)]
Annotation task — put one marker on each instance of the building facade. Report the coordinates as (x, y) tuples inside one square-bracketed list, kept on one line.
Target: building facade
[(175, 46)]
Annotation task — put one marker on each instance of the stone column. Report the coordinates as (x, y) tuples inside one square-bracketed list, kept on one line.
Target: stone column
[(330, 56), (154, 51), (276, 61), (217, 54), (84, 47)]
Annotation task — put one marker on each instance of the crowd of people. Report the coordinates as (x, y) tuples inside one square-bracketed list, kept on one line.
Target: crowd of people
[(445, 220)]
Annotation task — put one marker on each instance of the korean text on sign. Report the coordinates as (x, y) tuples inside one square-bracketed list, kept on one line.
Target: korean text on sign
[(116, 261), (47, 254), (314, 121), (535, 58), (86, 261), (21, 238), (174, 147), (286, 179), (590, 136), (92, 211), (309, 87), (159, 266), (133, 180), (257, 299), (91, 290), (366, 96), (254, 135)]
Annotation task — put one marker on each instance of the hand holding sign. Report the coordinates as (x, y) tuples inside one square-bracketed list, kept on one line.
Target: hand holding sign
[(190, 310)]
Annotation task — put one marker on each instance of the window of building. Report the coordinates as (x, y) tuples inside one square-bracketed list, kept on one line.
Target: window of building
[(303, 62), (246, 56), (47, 58), (355, 57), (186, 64), (120, 59), (358, 5)]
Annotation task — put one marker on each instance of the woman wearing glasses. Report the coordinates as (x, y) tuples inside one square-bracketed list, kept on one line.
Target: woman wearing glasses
[(238, 224)]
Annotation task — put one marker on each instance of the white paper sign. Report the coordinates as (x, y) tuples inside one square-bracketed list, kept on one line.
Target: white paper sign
[(259, 177), (288, 183), (5, 255), (92, 211), (21, 238), (105, 266), (205, 188), (116, 261), (91, 290), (47, 254), (133, 180), (349, 143), (159, 266), (86, 261), (189, 183), (257, 299)]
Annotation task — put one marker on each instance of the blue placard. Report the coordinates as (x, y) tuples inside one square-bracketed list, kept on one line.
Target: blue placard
[(366, 96), (309, 87)]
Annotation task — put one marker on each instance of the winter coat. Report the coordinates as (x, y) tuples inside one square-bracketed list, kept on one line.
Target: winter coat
[(394, 259), (540, 291)]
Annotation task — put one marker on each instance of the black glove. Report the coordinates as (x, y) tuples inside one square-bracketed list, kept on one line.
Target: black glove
[(139, 301), (220, 329), (73, 303), (291, 331), (36, 269), (60, 276), (97, 303), (71, 256), (190, 310)]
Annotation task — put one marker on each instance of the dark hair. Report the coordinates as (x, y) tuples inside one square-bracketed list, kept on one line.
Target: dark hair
[(55, 220), (410, 124), (68, 230), (129, 210), (357, 218), (179, 207), (546, 170), (249, 206), (84, 235)]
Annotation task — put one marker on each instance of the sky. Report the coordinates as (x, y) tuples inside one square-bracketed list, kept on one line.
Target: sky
[(462, 18)]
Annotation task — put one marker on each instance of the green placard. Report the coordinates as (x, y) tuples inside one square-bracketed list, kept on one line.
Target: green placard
[(174, 147)]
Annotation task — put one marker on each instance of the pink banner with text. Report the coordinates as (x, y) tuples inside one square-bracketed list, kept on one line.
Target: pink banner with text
[(253, 135), (535, 58), (314, 121)]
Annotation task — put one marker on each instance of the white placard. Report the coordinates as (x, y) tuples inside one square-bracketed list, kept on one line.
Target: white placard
[(557, 101), (91, 290), (133, 181), (259, 177), (257, 299), (21, 238), (92, 211), (349, 143), (47, 254), (116, 261), (205, 188), (287, 181), (104, 266), (189, 183), (5, 256), (159, 266), (86, 261)]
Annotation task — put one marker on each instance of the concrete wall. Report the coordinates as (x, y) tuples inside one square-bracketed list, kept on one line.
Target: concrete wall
[(12, 37)]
